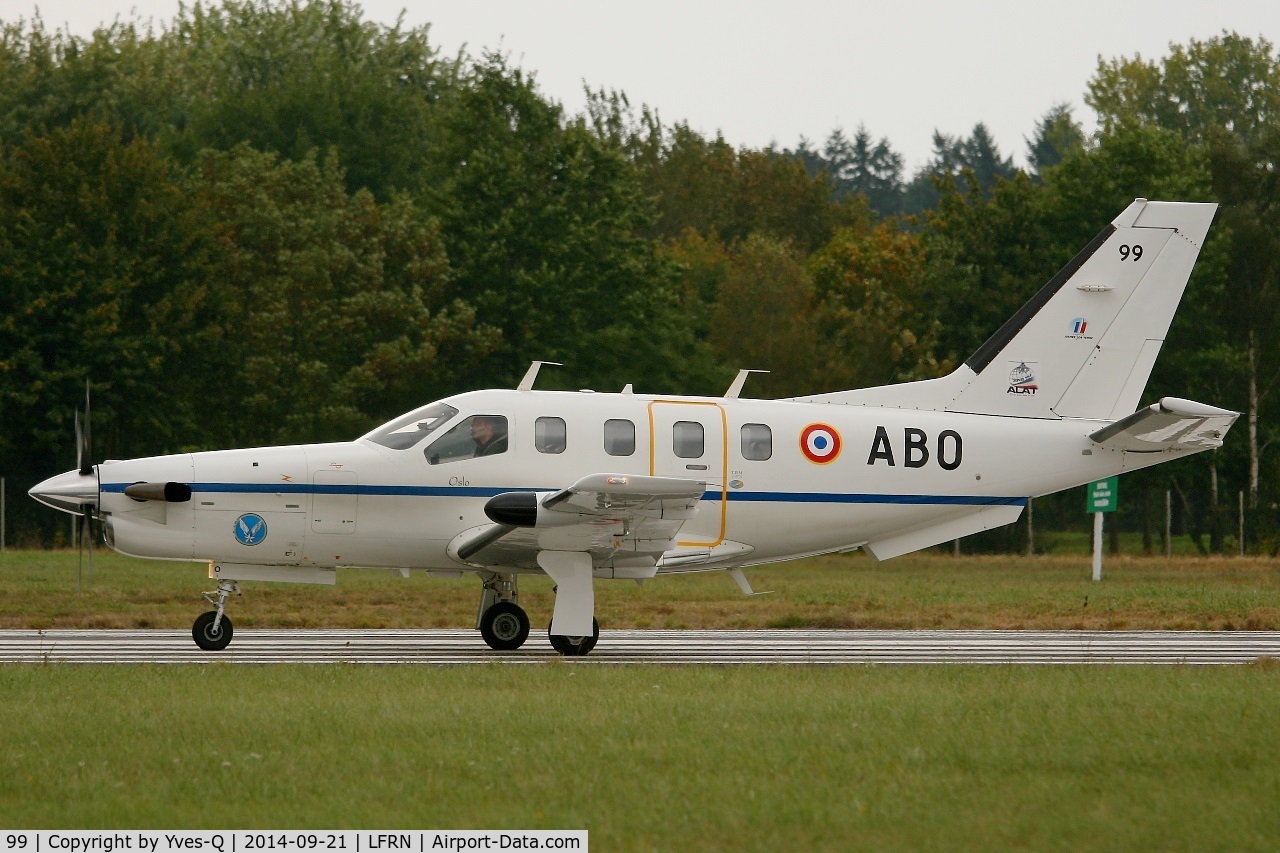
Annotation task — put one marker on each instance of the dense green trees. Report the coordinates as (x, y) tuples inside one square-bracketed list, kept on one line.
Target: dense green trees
[(278, 221), (1219, 99), (95, 282)]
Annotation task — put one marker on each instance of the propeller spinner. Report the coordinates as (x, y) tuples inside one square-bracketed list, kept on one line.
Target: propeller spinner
[(76, 491)]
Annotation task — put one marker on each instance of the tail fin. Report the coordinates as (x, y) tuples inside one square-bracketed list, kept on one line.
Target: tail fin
[(1084, 346)]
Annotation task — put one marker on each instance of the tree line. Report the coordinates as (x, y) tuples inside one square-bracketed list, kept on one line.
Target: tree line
[(270, 221)]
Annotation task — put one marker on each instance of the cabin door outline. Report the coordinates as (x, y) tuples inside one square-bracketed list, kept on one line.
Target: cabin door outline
[(712, 466)]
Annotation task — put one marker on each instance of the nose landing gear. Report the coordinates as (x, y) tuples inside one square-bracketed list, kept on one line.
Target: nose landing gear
[(212, 630)]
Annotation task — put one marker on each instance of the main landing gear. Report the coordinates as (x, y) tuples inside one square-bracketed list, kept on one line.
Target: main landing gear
[(505, 626), (502, 622), (212, 631), (573, 646)]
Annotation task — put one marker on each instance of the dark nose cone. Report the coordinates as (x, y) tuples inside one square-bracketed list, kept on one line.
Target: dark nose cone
[(516, 509)]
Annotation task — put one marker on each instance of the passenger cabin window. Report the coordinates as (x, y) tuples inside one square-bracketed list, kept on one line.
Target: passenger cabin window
[(619, 437), (687, 439), (757, 442), (406, 431), (549, 435), (478, 435)]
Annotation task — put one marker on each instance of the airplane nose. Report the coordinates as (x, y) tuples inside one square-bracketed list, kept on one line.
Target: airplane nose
[(70, 492)]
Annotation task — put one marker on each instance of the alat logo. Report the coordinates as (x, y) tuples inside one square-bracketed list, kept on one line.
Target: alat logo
[(1022, 380)]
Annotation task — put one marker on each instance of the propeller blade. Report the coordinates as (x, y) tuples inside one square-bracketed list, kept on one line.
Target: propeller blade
[(84, 440), (79, 443), (80, 549)]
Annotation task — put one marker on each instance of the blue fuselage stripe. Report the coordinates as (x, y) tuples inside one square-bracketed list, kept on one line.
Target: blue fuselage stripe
[(843, 498), (477, 492)]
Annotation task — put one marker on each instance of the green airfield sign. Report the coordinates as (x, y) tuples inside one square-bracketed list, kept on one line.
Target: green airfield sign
[(1100, 496), (1103, 495)]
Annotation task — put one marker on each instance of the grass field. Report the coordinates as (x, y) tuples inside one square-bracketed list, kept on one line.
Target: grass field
[(38, 590), (742, 758), (915, 758)]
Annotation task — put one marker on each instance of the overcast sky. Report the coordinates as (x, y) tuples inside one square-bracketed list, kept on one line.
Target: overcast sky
[(763, 73)]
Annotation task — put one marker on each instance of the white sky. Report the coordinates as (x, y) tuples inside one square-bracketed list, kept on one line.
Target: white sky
[(764, 73)]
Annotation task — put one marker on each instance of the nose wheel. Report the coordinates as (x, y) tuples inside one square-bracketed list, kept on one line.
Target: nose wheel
[(212, 631)]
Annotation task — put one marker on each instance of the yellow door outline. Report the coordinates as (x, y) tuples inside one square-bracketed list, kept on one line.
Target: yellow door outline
[(724, 460)]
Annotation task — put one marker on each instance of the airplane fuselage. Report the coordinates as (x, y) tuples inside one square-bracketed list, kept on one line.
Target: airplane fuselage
[(783, 479)]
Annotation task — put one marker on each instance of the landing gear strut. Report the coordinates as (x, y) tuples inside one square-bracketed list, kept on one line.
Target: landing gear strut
[(212, 631), (502, 622)]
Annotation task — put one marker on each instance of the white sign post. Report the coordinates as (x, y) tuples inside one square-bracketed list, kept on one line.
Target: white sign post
[(1103, 496)]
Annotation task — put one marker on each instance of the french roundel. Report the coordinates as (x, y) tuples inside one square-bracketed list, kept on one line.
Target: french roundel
[(820, 443)]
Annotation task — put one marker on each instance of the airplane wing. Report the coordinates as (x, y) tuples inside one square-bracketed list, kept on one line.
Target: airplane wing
[(626, 519), (1169, 424)]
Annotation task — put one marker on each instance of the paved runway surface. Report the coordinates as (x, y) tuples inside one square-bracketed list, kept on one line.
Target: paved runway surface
[(659, 647)]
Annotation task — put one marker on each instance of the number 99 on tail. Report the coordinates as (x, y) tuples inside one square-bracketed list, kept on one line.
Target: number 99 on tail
[(1126, 251)]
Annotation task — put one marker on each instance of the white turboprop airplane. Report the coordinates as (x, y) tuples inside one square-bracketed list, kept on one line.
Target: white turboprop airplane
[(589, 485)]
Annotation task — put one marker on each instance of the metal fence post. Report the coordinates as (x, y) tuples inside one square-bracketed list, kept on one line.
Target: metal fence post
[(1242, 523), (1031, 529)]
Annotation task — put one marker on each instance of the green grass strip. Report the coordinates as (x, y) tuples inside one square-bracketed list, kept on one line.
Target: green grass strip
[(927, 758), (38, 590)]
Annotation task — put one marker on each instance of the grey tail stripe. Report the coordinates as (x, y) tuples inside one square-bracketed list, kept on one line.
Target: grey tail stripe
[(986, 353)]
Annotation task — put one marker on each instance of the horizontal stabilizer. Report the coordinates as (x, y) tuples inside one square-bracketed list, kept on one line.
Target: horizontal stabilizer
[(1171, 423)]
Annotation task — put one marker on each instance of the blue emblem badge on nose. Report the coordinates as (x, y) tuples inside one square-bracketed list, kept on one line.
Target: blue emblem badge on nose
[(250, 529)]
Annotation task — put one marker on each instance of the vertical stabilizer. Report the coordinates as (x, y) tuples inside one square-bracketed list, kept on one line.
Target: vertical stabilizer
[(1084, 346)]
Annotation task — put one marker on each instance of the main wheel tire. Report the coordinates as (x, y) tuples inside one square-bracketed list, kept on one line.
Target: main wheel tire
[(505, 626), (204, 635), (575, 646)]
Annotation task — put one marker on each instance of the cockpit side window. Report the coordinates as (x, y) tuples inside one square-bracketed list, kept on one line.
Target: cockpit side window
[(478, 435), (407, 430)]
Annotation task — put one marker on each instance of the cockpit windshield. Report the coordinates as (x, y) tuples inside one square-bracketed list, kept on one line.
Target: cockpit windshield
[(406, 431)]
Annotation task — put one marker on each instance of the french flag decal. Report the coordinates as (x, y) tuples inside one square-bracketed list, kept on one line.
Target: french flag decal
[(1078, 325), (820, 443)]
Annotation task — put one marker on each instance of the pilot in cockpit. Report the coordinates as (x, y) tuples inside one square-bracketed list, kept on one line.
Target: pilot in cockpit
[(489, 432)]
